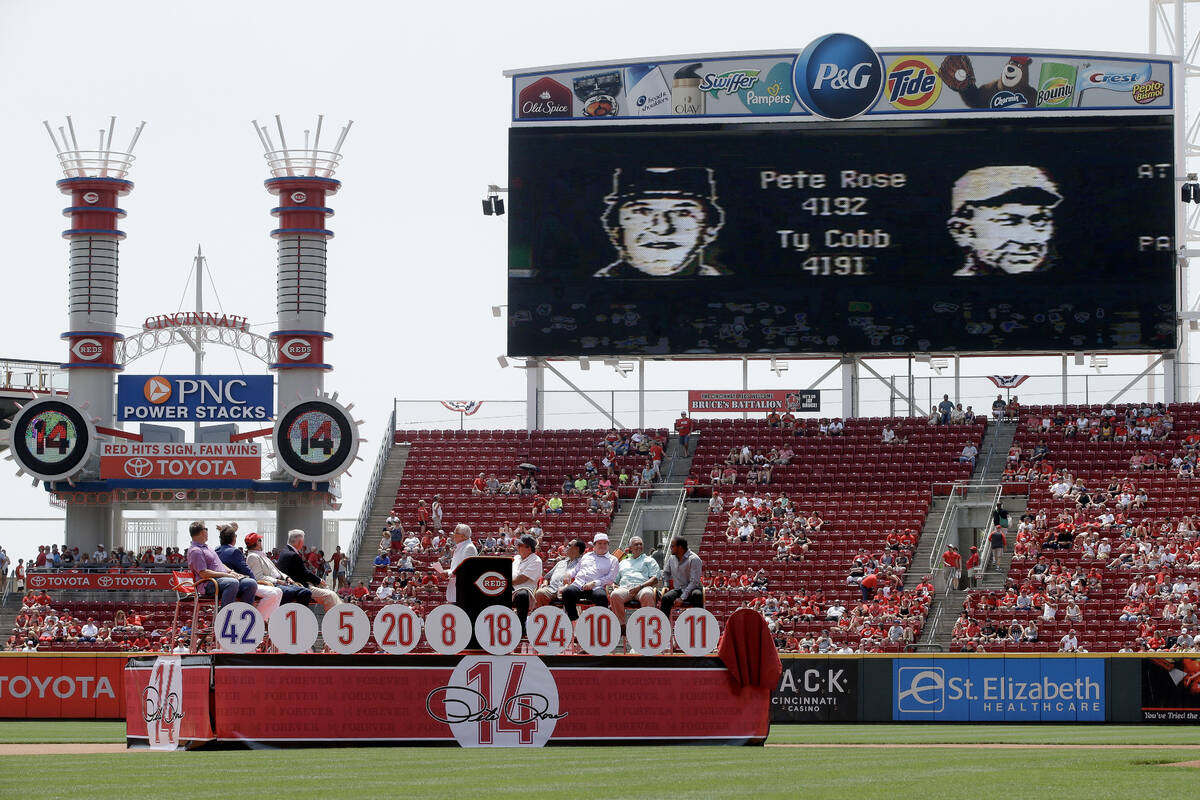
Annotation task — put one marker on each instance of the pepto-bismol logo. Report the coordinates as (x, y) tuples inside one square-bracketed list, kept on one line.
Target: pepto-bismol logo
[(838, 76), (920, 689)]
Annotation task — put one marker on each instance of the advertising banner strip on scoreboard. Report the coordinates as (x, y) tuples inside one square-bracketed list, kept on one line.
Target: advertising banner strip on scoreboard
[(755, 401), (195, 398), (810, 85), (167, 461)]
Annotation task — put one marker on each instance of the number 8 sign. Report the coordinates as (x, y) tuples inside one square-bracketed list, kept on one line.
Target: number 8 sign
[(397, 629), (239, 628), (448, 629)]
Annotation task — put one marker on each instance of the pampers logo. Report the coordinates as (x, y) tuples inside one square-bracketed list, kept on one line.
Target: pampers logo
[(920, 689), (838, 76), (771, 93)]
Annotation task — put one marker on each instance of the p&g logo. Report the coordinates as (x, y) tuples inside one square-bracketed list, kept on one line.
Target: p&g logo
[(838, 76), (920, 689)]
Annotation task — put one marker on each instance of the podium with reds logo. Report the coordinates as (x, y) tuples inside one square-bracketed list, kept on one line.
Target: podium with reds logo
[(483, 581)]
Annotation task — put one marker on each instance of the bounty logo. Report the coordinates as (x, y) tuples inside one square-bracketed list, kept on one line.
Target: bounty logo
[(838, 76), (1056, 85), (920, 689), (157, 390), (730, 82), (913, 84), (772, 93)]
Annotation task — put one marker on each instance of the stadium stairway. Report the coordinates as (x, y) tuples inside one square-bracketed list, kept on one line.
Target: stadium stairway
[(678, 464), (389, 483), (693, 526)]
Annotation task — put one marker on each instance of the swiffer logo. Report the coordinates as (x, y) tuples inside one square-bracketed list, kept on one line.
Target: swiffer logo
[(491, 583), (838, 76), (157, 390), (925, 692)]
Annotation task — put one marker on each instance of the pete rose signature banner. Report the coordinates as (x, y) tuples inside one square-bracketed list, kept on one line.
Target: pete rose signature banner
[(474, 700), (168, 461), (67, 686), (98, 581), (733, 401)]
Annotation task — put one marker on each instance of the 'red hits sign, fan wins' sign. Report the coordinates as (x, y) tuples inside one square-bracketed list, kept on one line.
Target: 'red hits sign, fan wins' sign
[(190, 461)]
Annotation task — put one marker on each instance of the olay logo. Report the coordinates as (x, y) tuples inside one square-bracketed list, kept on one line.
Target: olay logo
[(491, 583), (296, 349), (87, 349)]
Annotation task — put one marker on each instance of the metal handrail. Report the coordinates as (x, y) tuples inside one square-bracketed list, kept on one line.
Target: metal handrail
[(364, 514), (943, 526), (635, 515)]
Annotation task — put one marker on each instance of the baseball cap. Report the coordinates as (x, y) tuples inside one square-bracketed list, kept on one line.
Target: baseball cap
[(1013, 183), (694, 182), (252, 539), (600, 537)]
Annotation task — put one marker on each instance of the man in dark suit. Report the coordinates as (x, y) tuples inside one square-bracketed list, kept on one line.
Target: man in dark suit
[(268, 597), (291, 563)]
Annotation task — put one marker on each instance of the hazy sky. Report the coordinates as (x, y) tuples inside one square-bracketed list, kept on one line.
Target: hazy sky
[(414, 267)]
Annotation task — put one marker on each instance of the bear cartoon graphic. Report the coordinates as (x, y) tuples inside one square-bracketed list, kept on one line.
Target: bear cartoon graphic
[(1011, 90)]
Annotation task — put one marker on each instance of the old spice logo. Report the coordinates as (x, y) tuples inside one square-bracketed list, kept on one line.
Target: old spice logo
[(491, 583), (87, 349), (544, 98), (296, 349)]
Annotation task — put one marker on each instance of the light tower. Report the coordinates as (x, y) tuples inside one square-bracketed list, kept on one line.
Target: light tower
[(301, 178), (94, 179)]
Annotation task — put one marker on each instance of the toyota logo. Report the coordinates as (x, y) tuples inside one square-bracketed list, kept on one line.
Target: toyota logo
[(296, 349), (105, 581), (87, 349), (138, 467), (491, 583)]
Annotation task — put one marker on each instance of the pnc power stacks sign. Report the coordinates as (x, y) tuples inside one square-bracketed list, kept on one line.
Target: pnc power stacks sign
[(195, 398)]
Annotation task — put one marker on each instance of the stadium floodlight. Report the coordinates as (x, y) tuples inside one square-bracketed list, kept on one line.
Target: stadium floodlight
[(1098, 362), (1079, 359), (502, 361), (487, 207), (493, 203)]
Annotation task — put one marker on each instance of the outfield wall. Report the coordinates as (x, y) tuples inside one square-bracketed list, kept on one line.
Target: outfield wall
[(854, 688), (988, 688)]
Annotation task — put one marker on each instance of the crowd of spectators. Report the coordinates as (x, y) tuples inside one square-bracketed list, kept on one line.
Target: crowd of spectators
[(39, 623)]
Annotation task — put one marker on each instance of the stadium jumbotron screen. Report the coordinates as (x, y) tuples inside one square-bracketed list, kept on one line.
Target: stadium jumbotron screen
[(965, 235)]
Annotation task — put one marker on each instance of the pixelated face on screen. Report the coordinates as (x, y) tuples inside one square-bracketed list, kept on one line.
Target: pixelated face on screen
[(659, 221), (1004, 220)]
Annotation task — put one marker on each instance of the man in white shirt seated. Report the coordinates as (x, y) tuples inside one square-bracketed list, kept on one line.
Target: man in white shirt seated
[(1069, 643), (526, 572), (386, 590), (597, 570), (969, 452), (412, 544), (89, 631), (637, 577), (552, 585)]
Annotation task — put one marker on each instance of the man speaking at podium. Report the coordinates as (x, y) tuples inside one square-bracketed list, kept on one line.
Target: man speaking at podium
[(464, 548)]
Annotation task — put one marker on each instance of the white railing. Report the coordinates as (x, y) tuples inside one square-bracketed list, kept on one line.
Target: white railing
[(364, 514)]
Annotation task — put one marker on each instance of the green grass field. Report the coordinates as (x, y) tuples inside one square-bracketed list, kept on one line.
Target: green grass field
[(827, 772)]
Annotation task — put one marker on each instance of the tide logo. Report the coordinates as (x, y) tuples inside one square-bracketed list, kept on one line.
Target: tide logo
[(491, 583), (87, 349), (157, 390), (913, 84), (296, 349)]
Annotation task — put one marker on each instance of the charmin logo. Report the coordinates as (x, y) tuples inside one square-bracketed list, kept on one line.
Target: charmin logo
[(299, 197), (157, 390), (91, 198), (296, 349), (544, 98), (1007, 99), (491, 583), (730, 82), (838, 76), (1148, 92), (913, 84), (87, 349), (138, 467), (920, 689)]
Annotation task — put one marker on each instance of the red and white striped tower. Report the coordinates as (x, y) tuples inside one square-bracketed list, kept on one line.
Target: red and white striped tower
[(302, 178), (94, 179)]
